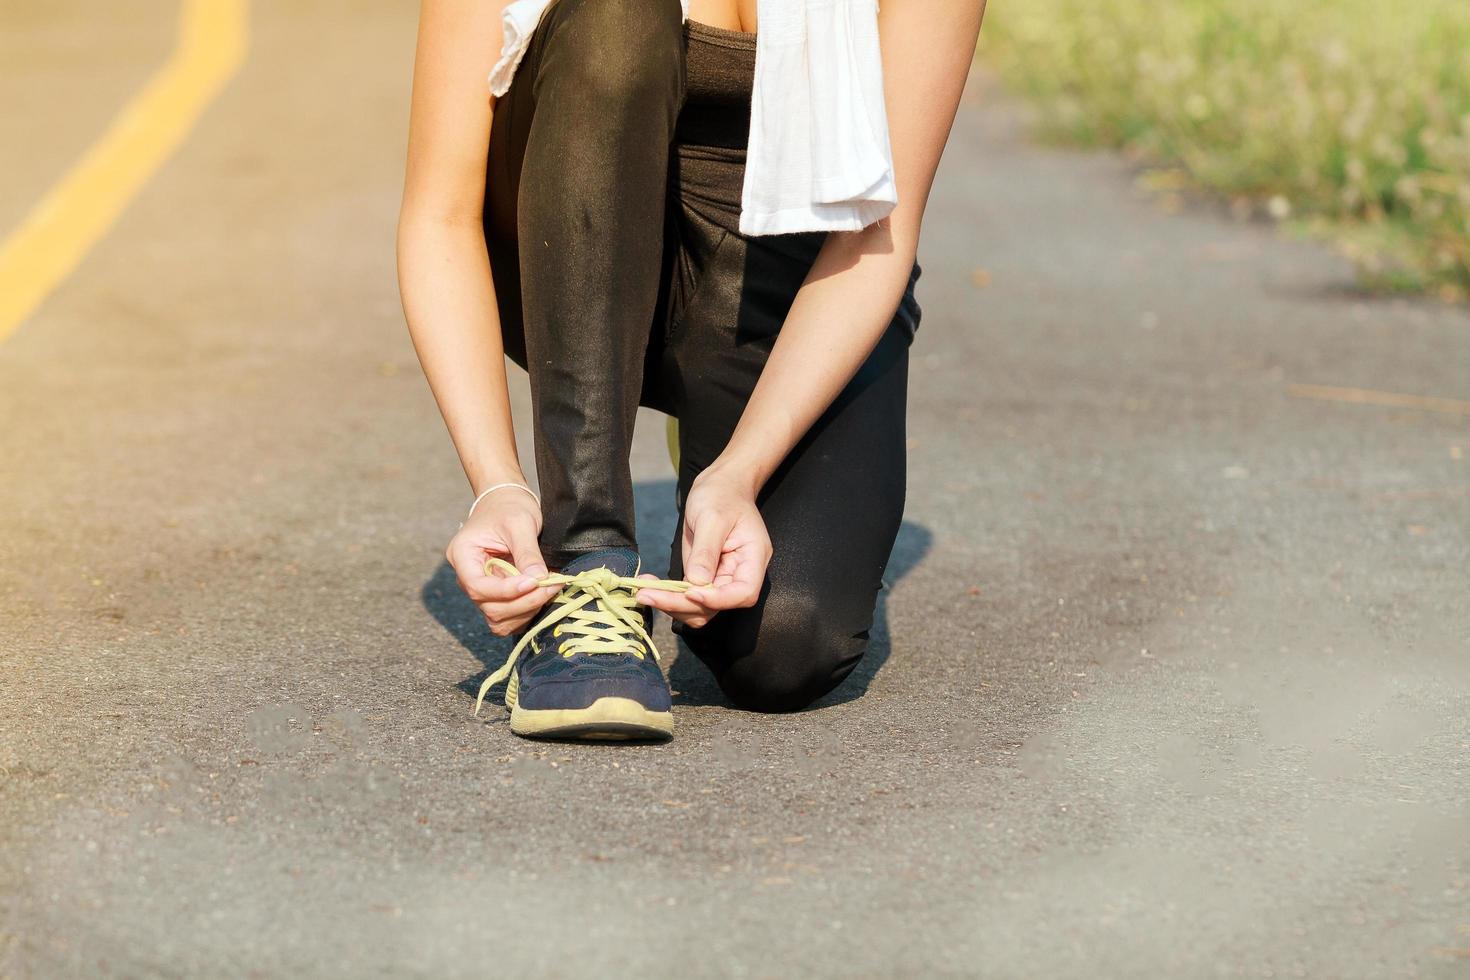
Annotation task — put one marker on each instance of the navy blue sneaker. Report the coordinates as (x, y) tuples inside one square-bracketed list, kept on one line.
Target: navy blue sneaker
[(586, 667)]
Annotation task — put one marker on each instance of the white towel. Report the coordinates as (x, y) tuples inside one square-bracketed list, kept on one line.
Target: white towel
[(819, 157)]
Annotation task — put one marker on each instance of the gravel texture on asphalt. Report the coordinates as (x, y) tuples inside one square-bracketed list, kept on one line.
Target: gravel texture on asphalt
[(1171, 677)]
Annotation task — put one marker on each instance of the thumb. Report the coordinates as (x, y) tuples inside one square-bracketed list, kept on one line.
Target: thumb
[(702, 553), (525, 553)]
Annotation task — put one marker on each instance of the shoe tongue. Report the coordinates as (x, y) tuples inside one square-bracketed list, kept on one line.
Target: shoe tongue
[(621, 561)]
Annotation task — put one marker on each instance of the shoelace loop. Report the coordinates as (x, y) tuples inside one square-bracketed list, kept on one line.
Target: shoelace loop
[(597, 606)]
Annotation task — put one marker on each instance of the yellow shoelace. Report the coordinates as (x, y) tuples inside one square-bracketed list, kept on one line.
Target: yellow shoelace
[(596, 606)]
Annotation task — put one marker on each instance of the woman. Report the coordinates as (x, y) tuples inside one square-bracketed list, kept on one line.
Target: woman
[(599, 244)]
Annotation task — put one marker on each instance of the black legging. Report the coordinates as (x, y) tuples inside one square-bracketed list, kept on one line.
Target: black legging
[(612, 211)]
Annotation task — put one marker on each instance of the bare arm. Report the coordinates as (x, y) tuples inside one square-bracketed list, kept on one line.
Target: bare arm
[(854, 287), (449, 297), (840, 313), (443, 267)]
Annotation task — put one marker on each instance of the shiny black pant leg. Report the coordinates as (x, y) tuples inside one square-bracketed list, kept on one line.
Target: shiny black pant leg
[(576, 190)]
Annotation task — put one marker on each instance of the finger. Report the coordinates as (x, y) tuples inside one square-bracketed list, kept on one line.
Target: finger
[(489, 586), (725, 574), (682, 609), (738, 586), (498, 588), (673, 603), (521, 607), (525, 551), (490, 583), (737, 551), (676, 604), (736, 595), (469, 568), (652, 597), (702, 553)]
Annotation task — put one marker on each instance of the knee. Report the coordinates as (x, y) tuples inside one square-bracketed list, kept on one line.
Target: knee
[(781, 690), (621, 53), (792, 656)]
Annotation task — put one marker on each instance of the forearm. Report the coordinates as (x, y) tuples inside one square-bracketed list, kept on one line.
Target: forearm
[(449, 303), (854, 288), (840, 313)]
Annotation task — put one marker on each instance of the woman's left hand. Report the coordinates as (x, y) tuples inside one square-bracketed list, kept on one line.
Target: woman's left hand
[(726, 550)]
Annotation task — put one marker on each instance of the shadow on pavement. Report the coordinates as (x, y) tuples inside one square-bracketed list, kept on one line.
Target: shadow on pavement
[(693, 685)]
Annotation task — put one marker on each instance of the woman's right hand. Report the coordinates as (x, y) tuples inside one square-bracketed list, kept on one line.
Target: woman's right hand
[(504, 525)]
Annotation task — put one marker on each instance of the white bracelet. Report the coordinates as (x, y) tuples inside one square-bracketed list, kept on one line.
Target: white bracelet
[(500, 486)]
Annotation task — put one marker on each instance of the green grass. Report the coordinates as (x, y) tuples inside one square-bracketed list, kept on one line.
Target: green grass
[(1351, 116)]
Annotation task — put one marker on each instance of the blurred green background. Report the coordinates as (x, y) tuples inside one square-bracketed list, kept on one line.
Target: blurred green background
[(1348, 118)]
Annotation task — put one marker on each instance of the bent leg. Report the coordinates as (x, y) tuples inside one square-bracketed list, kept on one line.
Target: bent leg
[(833, 511), (577, 185)]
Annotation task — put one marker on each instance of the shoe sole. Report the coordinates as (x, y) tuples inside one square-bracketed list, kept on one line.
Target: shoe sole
[(606, 719)]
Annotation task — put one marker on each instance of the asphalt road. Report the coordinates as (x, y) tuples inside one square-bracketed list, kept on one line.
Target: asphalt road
[(1172, 678)]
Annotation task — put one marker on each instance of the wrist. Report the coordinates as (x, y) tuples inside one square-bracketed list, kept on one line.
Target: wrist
[(745, 475), (510, 488), (485, 477)]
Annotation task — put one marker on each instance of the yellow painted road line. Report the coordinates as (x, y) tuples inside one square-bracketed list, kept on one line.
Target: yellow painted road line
[(1386, 399), (57, 233)]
